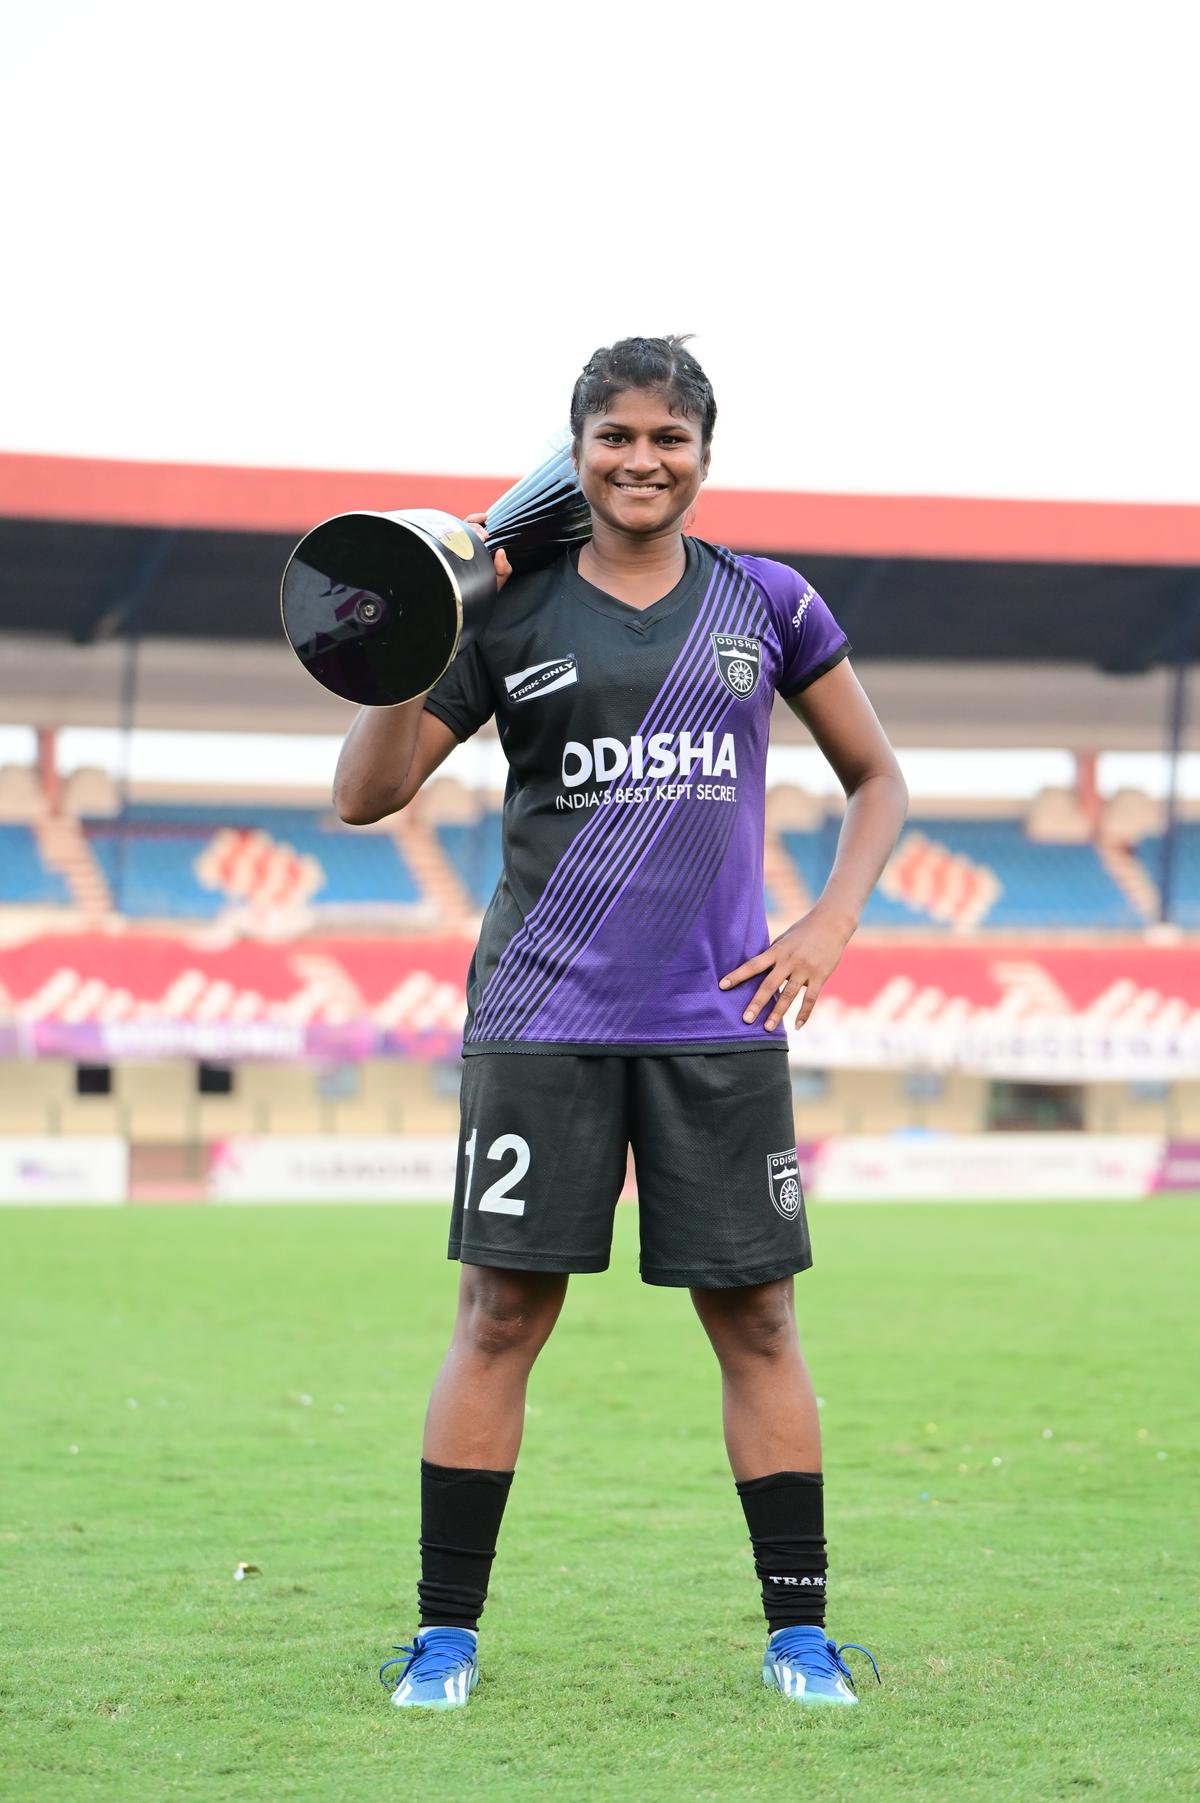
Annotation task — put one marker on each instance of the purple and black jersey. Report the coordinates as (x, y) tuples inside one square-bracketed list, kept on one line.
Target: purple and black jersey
[(633, 826)]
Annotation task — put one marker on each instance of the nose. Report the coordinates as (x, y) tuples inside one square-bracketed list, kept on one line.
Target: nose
[(641, 457)]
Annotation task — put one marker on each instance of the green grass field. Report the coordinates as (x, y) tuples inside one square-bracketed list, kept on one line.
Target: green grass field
[(1012, 1475)]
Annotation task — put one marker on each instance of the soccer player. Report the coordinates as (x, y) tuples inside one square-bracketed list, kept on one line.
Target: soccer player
[(624, 994)]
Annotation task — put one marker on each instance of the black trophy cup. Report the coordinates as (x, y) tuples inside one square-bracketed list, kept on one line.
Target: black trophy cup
[(375, 605)]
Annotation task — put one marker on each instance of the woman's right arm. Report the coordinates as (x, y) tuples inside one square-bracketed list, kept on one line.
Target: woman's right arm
[(388, 753)]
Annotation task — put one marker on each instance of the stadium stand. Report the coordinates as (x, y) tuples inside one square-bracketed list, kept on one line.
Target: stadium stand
[(970, 873), (1186, 874), (990, 868), (189, 864), (474, 853), (175, 862), (25, 880)]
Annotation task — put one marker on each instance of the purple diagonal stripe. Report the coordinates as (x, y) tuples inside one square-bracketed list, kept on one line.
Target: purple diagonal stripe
[(693, 854), (550, 926), (607, 883), (685, 846), (578, 865), (647, 852), (573, 914)]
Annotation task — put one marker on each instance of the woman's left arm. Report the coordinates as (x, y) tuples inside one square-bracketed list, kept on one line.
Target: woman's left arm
[(844, 724)]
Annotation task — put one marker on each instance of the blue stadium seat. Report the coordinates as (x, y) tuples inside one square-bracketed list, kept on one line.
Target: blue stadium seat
[(1041, 885), (24, 879), (1185, 882), (150, 856), (474, 852), (152, 875)]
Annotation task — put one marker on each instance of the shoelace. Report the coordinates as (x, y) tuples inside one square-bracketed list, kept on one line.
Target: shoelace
[(827, 1656), (437, 1661), (852, 1646)]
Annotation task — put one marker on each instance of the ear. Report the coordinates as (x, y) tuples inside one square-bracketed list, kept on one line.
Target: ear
[(704, 462)]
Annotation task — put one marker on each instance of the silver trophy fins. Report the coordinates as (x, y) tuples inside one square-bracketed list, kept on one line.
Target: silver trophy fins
[(375, 605)]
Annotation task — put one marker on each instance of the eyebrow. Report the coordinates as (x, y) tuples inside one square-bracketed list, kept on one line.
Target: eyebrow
[(609, 424)]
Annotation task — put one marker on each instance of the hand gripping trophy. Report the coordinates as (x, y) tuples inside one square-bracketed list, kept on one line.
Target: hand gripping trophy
[(375, 605)]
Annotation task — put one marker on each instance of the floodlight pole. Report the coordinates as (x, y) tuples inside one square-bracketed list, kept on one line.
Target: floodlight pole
[(1177, 722), (129, 707)]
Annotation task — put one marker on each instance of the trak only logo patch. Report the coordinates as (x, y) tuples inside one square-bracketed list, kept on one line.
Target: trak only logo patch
[(783, 1180), (738, 663), (541, 679)]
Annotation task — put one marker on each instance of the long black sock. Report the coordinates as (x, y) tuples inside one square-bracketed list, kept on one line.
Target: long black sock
[(461, 1511), (785, 1514)]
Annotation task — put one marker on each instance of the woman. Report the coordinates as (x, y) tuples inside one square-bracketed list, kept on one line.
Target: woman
[(623, 993)]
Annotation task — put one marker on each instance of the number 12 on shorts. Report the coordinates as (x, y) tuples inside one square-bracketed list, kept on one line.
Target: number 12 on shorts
[(496, 1199)]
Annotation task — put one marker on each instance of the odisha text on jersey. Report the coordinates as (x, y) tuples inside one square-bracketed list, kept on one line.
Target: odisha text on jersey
[(662, 755)]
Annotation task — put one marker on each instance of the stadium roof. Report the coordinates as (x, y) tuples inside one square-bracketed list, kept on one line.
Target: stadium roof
[(92, 549)]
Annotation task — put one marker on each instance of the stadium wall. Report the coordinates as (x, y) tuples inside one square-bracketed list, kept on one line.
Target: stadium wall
[(924, 1167), (160, 1104)]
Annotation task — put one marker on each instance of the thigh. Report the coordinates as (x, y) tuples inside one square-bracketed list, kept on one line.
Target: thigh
[(541, 1161), (714, 1145)]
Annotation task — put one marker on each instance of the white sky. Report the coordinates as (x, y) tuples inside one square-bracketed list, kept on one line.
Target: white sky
[(307, 760), (935, 248)]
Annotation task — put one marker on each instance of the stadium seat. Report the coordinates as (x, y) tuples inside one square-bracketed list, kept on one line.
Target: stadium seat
[(24, 879), (474, 852), (985, 873), (1185, 885), (180, 862)]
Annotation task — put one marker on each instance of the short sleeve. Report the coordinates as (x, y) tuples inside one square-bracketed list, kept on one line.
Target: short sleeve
[(463, 696), (810, 639)]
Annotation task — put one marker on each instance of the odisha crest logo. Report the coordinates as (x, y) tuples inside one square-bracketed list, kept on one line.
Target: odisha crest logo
[(738, 663), (783, 1181)]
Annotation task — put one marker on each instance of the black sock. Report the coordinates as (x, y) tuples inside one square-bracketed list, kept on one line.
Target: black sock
[(785, 1514), (461, 1511)]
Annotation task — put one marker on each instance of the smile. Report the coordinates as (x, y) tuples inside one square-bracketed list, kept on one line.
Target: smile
[(641, 488)]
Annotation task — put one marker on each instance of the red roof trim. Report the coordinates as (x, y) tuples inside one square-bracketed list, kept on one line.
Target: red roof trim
[(262, 500)]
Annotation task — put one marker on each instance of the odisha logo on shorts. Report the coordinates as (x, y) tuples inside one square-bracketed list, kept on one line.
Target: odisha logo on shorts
[(738, 663), (783, 1180)]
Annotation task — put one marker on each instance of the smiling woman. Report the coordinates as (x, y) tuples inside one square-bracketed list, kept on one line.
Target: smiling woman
[(642, 418), (623, 994)]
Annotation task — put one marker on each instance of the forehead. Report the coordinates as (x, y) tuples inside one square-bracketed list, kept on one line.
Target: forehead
[(642, 410)]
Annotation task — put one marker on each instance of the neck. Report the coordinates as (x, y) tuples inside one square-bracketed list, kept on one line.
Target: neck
[(616, 556)]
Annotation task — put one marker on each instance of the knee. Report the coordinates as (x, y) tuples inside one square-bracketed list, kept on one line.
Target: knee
[(505, 1314), (759, 1328)]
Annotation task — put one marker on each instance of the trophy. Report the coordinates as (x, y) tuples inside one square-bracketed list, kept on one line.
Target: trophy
[(375, 605)]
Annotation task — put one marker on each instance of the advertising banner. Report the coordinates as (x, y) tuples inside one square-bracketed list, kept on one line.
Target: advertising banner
[(316, 1169), (988, 1167), (1120, 1012), (74, 1170), (1070, 1014), (1180, 1166)]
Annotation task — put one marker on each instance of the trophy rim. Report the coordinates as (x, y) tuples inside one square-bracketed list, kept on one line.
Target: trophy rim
[(397, 518)]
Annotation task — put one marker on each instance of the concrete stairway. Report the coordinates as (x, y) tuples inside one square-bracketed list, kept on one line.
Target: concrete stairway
[(438, 880), (64, 848), (1131, 877)]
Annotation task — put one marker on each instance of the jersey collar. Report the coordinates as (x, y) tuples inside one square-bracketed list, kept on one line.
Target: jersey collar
[(638, 619)]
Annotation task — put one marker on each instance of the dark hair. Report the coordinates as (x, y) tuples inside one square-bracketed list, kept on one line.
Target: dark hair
[(657, 363)]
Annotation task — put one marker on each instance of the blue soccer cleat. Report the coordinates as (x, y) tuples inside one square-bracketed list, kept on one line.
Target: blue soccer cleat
[(440, 1672), (810, 1669)]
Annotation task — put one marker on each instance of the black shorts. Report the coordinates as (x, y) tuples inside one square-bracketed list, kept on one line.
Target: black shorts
[(542, 1159)]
